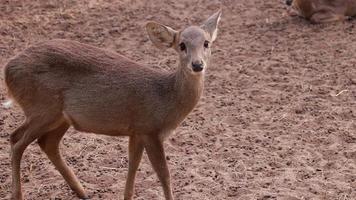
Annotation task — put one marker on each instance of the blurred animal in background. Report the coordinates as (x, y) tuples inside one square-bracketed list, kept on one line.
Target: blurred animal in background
[(323, 11)]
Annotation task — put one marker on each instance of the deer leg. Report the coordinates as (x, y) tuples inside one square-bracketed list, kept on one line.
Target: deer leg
[(135, 156), (155, 152), (18, 133), (326, 17), (20, 139), (17, 149), (49, 144)]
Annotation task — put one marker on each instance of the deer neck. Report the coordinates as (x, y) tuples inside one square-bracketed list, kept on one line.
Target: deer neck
[(188, 88)]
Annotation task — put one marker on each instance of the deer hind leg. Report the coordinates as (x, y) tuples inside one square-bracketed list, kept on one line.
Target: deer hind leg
[(135, 156), (32, 128), (49, 144), (327, 17), (18, 146), (155, 152)]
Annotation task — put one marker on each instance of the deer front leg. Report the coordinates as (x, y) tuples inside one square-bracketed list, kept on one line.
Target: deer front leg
[(155, 152), (326, 17), (135, 155)]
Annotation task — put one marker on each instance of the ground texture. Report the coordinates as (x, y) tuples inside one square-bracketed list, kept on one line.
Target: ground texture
[(277, 119)]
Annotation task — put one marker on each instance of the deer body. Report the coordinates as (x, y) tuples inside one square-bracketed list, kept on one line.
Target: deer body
[(105, 93), (323, 11), (62, 83)]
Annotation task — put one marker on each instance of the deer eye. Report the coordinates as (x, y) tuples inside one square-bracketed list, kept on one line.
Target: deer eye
[(206, 44), (182, 46)]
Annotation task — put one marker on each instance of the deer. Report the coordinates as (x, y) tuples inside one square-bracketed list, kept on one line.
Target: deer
[(323, 11), (62, 83)]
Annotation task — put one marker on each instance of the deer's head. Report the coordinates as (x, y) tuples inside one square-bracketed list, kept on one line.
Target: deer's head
[(193, 44)]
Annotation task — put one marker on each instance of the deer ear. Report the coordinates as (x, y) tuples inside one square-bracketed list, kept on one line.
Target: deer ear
[(161, 36), (211, 25)]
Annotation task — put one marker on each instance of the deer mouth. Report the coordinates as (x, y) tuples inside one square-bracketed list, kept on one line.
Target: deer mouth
[(197, 68)]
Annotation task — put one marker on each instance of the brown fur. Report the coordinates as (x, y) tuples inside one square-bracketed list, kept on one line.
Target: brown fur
[(62, 83), (80, 80), (323, 11)]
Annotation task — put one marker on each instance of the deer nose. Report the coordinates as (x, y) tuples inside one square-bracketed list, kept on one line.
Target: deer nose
[(289, 2), (197, 66)]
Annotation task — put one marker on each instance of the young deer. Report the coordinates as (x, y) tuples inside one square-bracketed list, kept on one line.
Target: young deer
[(63, 83), (323, 11)]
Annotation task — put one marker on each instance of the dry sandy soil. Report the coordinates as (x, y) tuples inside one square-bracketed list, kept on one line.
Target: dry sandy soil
[(277, 119)]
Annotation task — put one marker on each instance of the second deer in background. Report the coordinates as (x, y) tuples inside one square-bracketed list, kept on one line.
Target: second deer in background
[(323, 11)]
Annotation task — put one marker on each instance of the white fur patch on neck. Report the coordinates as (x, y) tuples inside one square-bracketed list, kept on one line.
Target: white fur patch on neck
[(7, 104)]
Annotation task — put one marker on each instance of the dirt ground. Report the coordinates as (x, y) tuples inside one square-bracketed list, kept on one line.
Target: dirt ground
[(276, 121)]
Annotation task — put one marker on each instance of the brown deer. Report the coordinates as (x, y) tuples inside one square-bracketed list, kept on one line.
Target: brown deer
[(62, 83), (323, 11)]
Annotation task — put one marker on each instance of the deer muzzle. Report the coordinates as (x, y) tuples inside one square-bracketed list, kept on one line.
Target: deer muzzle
[(198, 66)]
